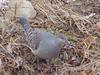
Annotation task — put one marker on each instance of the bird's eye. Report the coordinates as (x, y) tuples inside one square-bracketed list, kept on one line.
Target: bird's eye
[(62, 45)]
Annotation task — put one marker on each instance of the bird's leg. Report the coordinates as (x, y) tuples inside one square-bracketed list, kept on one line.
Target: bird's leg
[(48, 62)]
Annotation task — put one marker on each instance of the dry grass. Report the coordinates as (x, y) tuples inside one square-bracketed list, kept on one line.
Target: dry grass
[(54, 16)]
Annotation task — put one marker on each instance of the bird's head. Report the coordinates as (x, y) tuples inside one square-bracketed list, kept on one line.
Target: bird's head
[(65, 41), (60, 42)]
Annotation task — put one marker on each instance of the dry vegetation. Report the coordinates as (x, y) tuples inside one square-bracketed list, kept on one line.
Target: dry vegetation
[(79, 20)]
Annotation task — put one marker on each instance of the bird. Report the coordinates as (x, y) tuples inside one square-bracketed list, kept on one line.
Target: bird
[(44, 44)]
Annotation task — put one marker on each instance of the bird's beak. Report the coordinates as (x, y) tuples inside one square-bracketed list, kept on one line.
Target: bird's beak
[(69, 46)]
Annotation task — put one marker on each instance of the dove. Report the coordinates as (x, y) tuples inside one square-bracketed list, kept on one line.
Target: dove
[(44, 44)]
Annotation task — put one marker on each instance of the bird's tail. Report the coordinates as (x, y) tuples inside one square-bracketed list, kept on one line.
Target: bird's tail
[(25, 24)]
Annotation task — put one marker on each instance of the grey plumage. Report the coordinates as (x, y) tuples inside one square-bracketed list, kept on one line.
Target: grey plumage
[(44, 44)]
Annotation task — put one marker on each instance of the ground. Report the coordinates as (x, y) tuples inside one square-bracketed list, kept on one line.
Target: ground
[(79, 20)]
